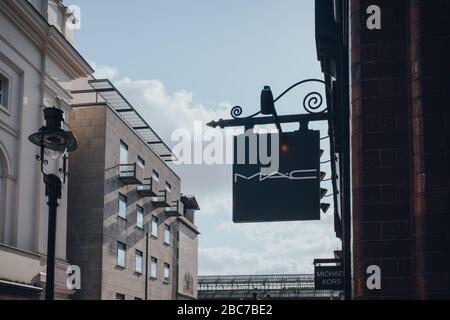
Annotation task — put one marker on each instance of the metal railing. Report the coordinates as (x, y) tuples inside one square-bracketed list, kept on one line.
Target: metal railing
[(161, 197), (174, 208), (147, 186), (288, 286), (127, 170)]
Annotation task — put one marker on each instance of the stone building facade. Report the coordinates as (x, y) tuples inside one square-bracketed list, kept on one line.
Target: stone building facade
[(38, 66), (130, 230)]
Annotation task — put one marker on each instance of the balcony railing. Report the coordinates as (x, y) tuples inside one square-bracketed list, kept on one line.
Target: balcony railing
[(147, 188), (160, 200), (175, 210), (130, 174)]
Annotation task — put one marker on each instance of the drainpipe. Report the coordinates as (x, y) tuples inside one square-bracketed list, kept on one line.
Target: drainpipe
[(146, 267)]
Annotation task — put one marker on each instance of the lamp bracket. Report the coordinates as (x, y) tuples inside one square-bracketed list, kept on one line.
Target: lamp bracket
[(312, 104)]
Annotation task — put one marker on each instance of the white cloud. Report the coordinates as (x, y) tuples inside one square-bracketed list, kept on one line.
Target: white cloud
[(167, 112), (275, 247), (104, 72)]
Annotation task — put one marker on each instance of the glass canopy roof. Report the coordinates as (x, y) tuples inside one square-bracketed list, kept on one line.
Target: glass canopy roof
[(117, 101)]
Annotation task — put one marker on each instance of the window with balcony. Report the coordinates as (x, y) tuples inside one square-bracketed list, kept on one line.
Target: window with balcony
[(139, 261), (167, 234), (154, 227), (146, 189), (140, 217), (154, 268), (123, 153), (123, 204), (121, 254), (141, 162), (160, 200), (166, 272), (175, 210)]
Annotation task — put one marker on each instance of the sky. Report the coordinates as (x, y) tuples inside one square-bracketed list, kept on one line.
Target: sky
[(181, 61)]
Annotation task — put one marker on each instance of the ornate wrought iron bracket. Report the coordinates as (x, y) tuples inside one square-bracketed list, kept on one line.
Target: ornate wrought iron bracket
[(312, 104)]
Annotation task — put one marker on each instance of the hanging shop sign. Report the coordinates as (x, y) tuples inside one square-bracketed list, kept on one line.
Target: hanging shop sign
[(276, 177), (329, 278)]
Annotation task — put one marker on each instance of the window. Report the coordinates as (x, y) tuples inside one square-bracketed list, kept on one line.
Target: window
[(153, 268), (122, 212), (3, 174), (141, 162), (167, 234), (166, 272), (138, 261), (168, 187), (123, 153), (140, 217), (154, 227), (3, 91), (120, 296), (121, 250), (155, 175)]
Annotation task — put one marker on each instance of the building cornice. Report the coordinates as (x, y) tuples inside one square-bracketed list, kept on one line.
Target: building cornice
[(57, 90), (31, 23), (24, 288), (189, 225), (20, 251)]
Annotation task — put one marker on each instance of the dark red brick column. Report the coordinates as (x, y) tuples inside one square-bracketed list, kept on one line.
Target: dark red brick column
[(430, 113), (401, 148), (380, 149)]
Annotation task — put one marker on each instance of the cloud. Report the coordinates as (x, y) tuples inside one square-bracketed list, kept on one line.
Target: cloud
[(104, 72), (173, 111), (274, 248)]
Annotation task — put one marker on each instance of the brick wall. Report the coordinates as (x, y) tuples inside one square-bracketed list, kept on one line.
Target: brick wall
[(430, 135), (400, 144)]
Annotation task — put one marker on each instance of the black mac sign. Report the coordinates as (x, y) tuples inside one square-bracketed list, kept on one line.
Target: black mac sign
[(329, 278), (276, 177)]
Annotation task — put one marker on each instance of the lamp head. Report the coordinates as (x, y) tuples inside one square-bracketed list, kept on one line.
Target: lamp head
[(52, 137)]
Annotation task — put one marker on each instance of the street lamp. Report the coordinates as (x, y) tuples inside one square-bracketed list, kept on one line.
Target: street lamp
[(54, 142)]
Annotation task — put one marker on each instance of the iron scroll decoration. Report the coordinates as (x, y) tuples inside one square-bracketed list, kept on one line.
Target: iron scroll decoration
[(312, 102)]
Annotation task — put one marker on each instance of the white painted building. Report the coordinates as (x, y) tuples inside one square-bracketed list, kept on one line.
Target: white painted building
[(38, 65)]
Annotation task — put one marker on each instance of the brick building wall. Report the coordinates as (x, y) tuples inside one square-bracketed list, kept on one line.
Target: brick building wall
[(400, 148)]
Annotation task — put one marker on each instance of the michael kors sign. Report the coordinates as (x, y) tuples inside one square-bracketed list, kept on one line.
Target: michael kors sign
[(283, 183)]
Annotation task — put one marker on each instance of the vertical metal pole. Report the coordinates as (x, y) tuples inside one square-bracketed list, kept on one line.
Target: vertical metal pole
[(346, 185), (346, 213), (53, 192), (146, 267)]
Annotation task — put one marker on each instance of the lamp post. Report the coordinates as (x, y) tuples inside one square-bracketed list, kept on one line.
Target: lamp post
[(54, 143)]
